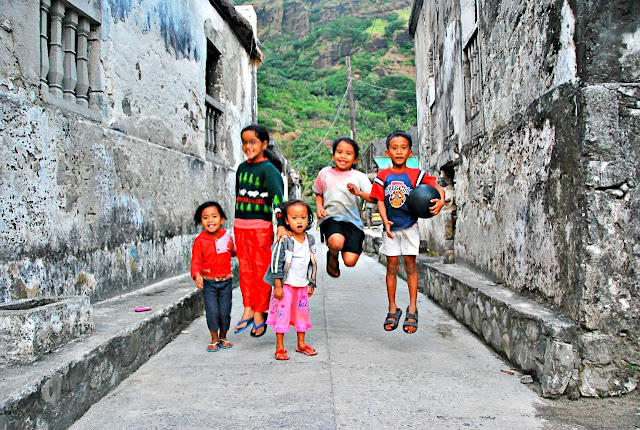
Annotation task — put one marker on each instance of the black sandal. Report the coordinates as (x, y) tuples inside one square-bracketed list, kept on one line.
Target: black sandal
[(410, 323), (335, 268), (392, 318)]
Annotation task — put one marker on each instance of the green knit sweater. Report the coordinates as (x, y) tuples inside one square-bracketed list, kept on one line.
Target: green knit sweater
[(259, 191)]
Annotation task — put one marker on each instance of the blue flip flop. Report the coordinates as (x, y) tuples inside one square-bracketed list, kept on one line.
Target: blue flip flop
[(248, 321), (213, 347), (255, 328)]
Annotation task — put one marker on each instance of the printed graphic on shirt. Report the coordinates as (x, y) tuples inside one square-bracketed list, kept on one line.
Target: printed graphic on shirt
[(397, 192), (251, 200), (222, 243)]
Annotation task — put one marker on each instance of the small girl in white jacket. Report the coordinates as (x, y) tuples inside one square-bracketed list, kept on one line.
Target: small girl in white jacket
[(292, 273)]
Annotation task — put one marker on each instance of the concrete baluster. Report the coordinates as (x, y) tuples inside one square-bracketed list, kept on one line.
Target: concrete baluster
[(82, 58), (56, 71), (44, 44), (96, 73), (69, 42)]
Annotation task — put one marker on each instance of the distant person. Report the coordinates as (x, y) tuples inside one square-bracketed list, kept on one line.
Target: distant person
[(337, 190), (211, 270), (292, 273), (391, 188), (259, 191)]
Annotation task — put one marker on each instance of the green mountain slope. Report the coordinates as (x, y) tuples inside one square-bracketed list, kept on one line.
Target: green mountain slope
[(302, 82)]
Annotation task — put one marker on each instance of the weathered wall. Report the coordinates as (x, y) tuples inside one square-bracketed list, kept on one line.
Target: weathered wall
[(545, 175), (102, 207)]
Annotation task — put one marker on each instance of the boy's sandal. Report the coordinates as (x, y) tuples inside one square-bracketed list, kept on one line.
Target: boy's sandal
[(213, 347), (392, 318), (281, 354), (307, 350), (225, 344), (335, 268), (410, 323)]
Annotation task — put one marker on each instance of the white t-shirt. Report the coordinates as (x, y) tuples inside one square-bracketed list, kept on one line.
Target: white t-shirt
[(339, 203), (301, 256)]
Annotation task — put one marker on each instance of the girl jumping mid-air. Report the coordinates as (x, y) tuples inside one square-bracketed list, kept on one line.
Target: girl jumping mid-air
[(292, 273), (211, 270), (337, 189)]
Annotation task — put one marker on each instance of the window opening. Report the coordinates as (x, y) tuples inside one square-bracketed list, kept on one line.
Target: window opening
[(213, 106)]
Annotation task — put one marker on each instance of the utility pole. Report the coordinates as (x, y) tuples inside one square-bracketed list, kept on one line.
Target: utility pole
[(352, 114)]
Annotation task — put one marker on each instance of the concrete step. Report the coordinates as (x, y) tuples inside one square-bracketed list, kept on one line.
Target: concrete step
[(537, 340), (59, 388)]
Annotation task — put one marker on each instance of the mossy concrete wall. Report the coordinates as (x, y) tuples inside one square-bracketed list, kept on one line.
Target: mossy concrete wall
[(100, 201), (545, 174)]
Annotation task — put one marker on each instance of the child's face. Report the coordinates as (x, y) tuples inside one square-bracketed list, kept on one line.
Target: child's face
[(252, 146), (399, 151), (344, 156), (297, 218), (211, 220)]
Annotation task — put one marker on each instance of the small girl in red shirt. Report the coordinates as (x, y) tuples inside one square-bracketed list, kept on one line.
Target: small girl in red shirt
[(211, 270)]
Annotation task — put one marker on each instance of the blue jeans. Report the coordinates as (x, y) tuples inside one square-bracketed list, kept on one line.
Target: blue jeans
[(217, 304)]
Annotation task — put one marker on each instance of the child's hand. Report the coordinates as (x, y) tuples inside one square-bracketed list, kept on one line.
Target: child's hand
[(199, 282), (281, 232), (387, 228), (321, 212), (278, 292), (353, 189), (435, 209), (311, 290)]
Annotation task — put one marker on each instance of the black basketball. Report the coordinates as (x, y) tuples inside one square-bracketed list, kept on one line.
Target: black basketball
[(419, 200)]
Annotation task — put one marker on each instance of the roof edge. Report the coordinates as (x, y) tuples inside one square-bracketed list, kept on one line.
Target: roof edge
[(415, 13), (240, 26)]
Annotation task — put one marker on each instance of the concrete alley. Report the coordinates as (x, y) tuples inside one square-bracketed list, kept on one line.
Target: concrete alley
[(362, 377)]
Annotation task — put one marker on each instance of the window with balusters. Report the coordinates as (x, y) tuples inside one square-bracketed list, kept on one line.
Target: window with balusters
[(69, 44)]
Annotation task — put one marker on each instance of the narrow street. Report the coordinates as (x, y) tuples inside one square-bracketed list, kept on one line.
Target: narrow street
[(362, 377)]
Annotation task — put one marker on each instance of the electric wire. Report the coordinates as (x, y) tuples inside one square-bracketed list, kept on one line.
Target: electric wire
[(383, 88), (344, 96)]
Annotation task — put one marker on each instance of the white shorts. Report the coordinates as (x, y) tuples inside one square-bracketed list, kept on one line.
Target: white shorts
[(404, 242)]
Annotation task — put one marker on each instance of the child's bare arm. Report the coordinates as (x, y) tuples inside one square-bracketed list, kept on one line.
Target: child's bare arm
[(439, 203), (383, 214), (353, 189), (199, 282), (321, 212), (278, 291)]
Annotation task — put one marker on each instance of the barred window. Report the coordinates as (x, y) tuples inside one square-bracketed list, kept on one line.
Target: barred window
[(213, 142), (472, 75)]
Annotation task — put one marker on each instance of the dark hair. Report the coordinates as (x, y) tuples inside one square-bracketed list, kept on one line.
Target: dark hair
[(353, 143), (260, 131), (262, 134), (399, 134), (286, 205), (197, 217)]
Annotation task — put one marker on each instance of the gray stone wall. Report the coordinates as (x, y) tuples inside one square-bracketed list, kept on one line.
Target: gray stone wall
[(544, 176), (100, 201)]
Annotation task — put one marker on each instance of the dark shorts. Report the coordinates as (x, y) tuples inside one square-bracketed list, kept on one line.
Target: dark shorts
[(353, 236)]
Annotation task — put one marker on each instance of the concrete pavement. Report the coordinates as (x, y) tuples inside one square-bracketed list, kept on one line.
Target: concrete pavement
[(363, 377)]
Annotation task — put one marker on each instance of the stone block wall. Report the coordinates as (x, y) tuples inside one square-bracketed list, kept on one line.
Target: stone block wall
[(100, 200), (544, 171)]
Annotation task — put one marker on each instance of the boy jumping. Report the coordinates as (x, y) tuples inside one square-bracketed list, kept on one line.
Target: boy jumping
[(391, 189)]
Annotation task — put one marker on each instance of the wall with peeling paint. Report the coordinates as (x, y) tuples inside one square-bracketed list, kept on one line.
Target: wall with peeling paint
[(104, 207), (546, 174)]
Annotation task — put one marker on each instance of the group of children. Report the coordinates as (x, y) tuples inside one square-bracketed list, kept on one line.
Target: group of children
[(277, 279)]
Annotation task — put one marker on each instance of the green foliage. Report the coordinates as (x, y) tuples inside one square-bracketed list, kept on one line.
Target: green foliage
[(298, 93)]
